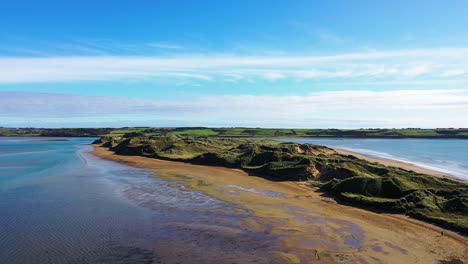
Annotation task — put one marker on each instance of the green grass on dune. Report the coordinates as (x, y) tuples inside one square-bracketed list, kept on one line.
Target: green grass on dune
[(437, 200)]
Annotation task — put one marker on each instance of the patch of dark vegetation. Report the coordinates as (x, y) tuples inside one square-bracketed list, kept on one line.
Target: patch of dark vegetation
[(451, 261), (437, 200)]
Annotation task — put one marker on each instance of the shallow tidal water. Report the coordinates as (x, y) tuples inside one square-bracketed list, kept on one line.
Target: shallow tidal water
[(60, 204)]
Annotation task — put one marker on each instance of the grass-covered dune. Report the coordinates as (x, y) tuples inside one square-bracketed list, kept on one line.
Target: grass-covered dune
[(437, 200)]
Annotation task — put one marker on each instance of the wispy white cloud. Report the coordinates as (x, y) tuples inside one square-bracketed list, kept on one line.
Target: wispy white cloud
[(418, 69), (423, 108), (161, 45), (455, 72), (273, 76), (386, 65)]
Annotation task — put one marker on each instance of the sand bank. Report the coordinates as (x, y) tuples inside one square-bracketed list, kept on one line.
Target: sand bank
[(312, 227)]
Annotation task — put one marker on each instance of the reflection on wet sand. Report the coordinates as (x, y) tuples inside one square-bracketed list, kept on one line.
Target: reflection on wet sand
[(189, 226)]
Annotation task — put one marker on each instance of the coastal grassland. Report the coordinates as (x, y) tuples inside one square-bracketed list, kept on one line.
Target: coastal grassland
[(461, 133), (437, 200), (204, 132), (4, 132), (126, 130), (54, 132), (284, 132)]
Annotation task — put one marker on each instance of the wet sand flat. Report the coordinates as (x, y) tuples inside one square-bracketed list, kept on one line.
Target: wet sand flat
[(311, 227)]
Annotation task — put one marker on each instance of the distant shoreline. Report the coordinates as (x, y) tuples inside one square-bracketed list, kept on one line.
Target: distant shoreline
[(399, 164), (259, 137), (390, 133)]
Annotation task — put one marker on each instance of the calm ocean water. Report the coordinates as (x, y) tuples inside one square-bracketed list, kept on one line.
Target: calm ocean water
[(444, 155), (60, 204)]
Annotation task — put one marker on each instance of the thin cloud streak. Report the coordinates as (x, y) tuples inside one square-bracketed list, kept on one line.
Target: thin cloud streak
[(161, 45), (441, 64)]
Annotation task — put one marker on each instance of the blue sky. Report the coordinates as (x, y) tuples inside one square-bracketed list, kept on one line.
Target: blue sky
[(234, 63)]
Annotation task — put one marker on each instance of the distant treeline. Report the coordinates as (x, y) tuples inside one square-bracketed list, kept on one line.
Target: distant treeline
[(460, 133)]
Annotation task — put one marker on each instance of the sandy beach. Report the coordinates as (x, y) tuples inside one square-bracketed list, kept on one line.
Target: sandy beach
[(396, 163), (313, 227)]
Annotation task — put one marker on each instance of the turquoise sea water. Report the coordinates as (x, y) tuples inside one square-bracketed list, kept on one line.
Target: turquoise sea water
[(448, 156), (60, 204)]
